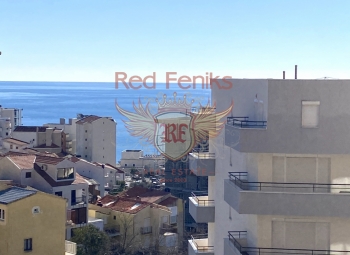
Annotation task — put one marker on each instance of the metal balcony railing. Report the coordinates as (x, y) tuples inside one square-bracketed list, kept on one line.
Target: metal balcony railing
[(197, 243), (202, 201), (240, 180), (236, 238), (243, 122), (146, 230)]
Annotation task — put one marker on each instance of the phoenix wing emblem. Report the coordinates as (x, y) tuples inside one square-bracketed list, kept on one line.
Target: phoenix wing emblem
[(141, 123), (207, 123)]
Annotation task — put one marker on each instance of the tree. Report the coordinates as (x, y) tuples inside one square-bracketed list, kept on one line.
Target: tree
[(134, 171), (90, 240)]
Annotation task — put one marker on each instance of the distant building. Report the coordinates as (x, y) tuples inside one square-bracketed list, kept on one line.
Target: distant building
[(14, 114), (137, 160), (32, 222), (96, 139), (41, 138)]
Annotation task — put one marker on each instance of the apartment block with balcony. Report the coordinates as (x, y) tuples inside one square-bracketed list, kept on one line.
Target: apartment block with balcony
[(281, 182), (26, 218), (52, 175), (133, 220), (14, 114), (96, 139)]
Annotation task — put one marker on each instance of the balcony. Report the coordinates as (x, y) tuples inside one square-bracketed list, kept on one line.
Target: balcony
[(112, 231), (290, 199), (146, 230), (199, 245), (68, 144), (202, 163), (236, 243), (79, 201), (167, 228), (70, 248), (202, 209)]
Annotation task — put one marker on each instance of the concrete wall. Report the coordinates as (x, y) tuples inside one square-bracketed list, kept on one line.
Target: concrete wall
[(22, 224)]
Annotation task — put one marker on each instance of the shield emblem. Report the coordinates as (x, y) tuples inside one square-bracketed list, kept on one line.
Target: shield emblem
[(174, 136)]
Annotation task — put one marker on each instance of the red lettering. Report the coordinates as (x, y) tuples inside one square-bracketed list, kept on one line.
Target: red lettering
[(168, 79), (184, 79), (154, 81), (135, 79), (121, 79)]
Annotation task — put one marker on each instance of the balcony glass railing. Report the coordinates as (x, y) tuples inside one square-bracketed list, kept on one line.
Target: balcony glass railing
[(200, 241), (240, 179), (239, 241), (244, 122)]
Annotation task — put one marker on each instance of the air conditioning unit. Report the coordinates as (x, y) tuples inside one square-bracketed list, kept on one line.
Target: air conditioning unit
[(44, 167)]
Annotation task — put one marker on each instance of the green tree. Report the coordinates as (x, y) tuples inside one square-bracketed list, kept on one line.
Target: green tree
[(134, 171), (91, 241)]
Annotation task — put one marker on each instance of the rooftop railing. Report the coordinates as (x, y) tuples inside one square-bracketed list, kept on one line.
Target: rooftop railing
[(196, 240), (244, 122), (236, 237), (202, 201), (240, 179), (203, 154)]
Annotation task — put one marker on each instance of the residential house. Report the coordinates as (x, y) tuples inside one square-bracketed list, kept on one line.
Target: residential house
[(32, 222), (105, 174), (136, 222), (52, 175)]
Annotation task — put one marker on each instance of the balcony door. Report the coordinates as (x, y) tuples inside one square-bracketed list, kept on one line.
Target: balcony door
[(73, 198), (299, 234)]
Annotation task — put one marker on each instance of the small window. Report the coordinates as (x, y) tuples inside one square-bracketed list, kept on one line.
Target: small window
[(133, 164), (11, 146), (85, 148), (103, 156), (310, 114), (7, 133), (16, 147), (85, 156), (36, 210), (58, 193), (85, 131), (111, 172), (126, 165), (114, 217), (2, 214), (28, 174), (28, 243)]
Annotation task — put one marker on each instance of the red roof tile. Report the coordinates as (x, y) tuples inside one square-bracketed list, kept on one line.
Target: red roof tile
[(15, 141), (24, 161), (146, 195), (122, 204)]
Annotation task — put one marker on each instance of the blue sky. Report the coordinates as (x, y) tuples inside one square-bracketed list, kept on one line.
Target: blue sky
[(90, 40)]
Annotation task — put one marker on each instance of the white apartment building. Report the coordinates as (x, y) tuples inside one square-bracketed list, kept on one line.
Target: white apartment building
[(96, 139), (69, 130), (51, 175), (14, 114), (106, 175), (279, 182), (41, 138)]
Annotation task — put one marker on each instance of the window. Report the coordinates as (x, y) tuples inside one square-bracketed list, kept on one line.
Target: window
[(85, 139), (28, 244), (310, 114), (85, 131), (16, 147), (126, 165), (11, 146), (85, 156), (7, 133), (28, 174), (114, 217), (2, 214), (58, 193), (85, 148), (65, 173), (133, 164)]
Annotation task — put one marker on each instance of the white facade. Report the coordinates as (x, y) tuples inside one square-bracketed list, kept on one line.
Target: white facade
[(105, 175), (14, 114), (96, 139), (136, 159), (280, 197)]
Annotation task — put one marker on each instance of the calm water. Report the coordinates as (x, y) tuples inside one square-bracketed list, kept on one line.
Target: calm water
[(46, 102)]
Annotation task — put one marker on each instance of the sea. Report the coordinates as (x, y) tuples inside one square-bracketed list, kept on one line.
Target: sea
[(47, 102)]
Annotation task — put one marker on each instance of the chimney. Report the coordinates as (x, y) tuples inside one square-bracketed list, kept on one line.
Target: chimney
[(62, 121), (296, 72), (284, 75), (48, 136)]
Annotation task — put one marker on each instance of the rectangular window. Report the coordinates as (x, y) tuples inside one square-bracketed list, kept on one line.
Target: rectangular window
[(126, 165), (28, 244), (65, 173), (11, 146), (2, 214), (28, 175), (58, 193), (310, 114)]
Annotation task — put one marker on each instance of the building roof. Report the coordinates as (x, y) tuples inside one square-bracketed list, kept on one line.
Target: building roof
[(13, 194), (48, 178), (29, 129), (22, 161), (146, 195), (170, 201), (43, 146), (89, 180), (80, 179), (122, 204), (108, 166), (48, 159), (15, 141), (88, 119)]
